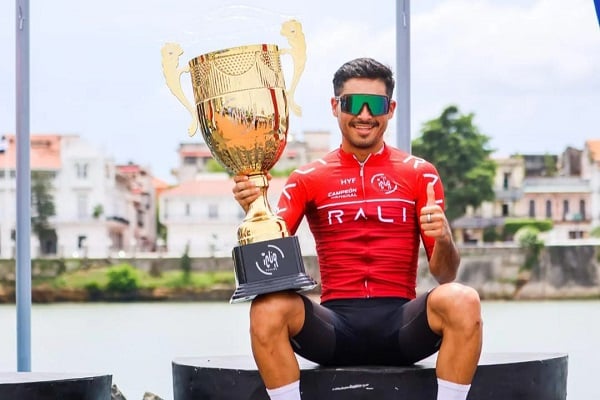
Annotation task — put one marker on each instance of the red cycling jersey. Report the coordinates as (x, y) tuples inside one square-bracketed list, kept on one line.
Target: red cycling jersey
[(365, 220)]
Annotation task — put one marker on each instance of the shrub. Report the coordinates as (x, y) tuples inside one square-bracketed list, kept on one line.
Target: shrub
[(527, 237), (123, 278), (93, 289), (490, 234), (512, 225)]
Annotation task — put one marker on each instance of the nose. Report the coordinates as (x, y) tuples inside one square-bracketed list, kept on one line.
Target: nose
[(364, 112)]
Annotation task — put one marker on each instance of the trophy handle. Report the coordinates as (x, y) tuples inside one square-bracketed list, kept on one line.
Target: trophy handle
[(170, 53), (292, 30)]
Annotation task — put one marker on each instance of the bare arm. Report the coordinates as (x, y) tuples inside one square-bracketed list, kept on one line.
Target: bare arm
[(444, 260)]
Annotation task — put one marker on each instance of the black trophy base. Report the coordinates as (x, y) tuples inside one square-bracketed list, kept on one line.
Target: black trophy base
[(269, 266), (249, 291)]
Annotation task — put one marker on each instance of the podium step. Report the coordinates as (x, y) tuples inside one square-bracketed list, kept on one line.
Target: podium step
[(499, 376), (54, 386)]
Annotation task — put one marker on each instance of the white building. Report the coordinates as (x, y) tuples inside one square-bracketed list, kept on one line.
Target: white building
[(201, 214), (590, 169), (101, 209)]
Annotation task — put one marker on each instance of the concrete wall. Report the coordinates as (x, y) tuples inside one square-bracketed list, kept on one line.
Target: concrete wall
[(495, 272)]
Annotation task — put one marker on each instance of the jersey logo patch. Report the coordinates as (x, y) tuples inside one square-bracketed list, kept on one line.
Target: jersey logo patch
[(383, 184)]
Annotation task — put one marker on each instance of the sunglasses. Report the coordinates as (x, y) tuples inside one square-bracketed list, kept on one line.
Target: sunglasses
[(354, 103)]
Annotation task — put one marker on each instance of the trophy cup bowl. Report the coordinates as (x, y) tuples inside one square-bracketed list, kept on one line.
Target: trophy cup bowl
[(242, 109)]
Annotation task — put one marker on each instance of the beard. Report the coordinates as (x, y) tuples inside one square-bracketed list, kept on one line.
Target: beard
[(361, 142)]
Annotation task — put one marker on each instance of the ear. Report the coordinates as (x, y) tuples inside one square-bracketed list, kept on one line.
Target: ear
[(334, 107), (393, 105)]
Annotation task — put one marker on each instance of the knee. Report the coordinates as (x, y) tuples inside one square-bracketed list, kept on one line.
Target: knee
[(458, 304), (272, 313)]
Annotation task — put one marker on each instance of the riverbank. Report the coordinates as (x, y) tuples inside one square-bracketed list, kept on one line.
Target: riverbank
[(124, 283), (46, 294), (496, 272)]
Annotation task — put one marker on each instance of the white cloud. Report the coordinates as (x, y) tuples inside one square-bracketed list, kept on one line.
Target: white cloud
[(526, 68), (530, 71), (546, 45)]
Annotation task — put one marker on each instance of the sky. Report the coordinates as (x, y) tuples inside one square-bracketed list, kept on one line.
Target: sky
[(529, 70)]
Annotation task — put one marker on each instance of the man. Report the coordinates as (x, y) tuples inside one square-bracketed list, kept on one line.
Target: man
[(369, 206)]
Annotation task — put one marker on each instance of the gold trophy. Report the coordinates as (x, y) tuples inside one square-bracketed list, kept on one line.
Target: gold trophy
[(242, 107)]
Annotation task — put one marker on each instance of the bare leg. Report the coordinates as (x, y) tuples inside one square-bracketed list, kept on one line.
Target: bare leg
[(454, 312), (274, 319)]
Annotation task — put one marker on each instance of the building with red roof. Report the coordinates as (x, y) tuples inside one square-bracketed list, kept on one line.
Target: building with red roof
[(100, 208)]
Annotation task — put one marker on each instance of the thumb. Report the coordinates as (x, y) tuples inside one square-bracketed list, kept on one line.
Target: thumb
[(430, 194)]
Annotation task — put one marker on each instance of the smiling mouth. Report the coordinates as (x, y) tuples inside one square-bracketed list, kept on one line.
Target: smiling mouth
[(363, 125)]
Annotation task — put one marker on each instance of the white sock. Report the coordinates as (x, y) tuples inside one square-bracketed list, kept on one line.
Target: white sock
[(290, 391), (452, 391)]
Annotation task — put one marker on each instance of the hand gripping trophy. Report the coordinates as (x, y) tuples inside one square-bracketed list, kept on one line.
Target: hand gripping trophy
[(242, 107)]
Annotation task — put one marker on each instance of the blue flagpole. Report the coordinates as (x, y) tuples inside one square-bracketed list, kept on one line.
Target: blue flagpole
[(23, 228), (403, 75)]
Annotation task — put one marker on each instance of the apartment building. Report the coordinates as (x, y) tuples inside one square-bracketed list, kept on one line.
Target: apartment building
[(564, 200), (590, 170), (508, 191), (101, 209), (539, 186), (104, 209), (200, 212)]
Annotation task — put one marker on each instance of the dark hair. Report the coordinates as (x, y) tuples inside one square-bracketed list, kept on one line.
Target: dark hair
[(363, 68)]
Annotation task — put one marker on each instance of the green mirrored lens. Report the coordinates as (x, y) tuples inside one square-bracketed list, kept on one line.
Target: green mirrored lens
[(353, 104)]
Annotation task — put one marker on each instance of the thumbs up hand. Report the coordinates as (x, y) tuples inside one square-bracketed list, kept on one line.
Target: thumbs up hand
[(433, 219)]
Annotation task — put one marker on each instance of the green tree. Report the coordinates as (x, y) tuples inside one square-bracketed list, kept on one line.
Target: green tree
[(282, 173), (462, 157), (186, 264), (550, 168), (528, 238), (98, 211), (42, 203), (213, 165), (595, 233), (161, 229)]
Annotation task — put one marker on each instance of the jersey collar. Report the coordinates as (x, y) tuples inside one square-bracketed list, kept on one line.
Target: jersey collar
[(382, 154)]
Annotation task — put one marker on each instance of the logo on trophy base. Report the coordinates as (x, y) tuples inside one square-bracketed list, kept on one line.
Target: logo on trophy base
[(242, 109)]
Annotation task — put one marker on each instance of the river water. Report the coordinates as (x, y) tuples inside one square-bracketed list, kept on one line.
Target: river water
[(136, 342)]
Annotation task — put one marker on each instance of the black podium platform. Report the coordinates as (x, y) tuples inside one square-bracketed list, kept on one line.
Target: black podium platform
[(54, 386), (501, 376)]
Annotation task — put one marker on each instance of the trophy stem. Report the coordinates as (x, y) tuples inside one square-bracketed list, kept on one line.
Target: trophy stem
[(261, 223), (259, 209)]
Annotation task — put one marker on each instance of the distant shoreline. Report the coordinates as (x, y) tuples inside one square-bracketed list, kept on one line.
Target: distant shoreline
[(220, 293), (497, 273), (42, 295)]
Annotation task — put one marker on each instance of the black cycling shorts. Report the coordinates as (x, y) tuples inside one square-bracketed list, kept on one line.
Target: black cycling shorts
[(375, 331)]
